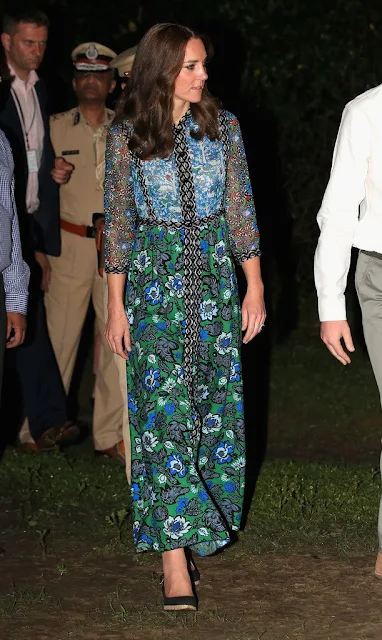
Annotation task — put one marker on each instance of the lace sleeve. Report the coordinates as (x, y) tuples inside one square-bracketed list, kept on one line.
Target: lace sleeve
[(119, 203), (240, 208)]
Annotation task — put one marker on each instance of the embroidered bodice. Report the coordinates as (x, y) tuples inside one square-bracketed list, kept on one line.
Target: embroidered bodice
[(217, 185)]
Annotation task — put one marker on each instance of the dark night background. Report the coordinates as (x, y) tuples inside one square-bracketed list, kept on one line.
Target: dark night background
[(303, 567), (286, 68)]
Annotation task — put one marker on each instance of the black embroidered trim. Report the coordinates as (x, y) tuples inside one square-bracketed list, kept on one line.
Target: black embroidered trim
[(176, 224), (110, 268), (253, 253), (223, 127), (192, 269)]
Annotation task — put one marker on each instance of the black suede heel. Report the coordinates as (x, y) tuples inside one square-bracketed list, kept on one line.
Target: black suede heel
[(179, 603)]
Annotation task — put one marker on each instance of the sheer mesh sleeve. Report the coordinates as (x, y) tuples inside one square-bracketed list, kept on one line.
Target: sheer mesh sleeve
[(119, 203), (240, 208)]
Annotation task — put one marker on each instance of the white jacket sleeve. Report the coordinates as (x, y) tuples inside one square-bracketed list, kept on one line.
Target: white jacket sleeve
[(338, 216)]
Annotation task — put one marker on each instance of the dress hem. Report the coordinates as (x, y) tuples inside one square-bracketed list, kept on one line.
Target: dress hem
[(215, 546)]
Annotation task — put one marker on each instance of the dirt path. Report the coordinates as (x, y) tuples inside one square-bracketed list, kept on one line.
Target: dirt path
[(86, 597)]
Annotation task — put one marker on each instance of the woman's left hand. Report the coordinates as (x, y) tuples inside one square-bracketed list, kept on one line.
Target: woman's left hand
[(253, 313)]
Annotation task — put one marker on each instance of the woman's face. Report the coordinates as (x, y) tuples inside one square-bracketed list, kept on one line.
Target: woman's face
[(190, 81)]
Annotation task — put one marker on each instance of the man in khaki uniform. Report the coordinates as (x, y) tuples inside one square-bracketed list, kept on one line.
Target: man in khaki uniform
[(79, 136), (123, 63)]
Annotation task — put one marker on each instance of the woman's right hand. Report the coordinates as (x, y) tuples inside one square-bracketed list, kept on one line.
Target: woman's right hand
[(117, 333)]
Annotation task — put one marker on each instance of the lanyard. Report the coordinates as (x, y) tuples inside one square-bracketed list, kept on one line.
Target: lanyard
[(26, 131)]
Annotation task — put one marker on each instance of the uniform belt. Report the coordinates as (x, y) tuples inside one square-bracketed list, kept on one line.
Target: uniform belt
[(84, 230)]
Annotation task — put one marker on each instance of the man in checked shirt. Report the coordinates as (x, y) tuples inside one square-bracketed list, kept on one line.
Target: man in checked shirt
[(14, 273)]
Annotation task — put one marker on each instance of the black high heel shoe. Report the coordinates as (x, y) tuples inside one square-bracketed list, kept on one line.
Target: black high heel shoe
[(192, 568), (179, 603)]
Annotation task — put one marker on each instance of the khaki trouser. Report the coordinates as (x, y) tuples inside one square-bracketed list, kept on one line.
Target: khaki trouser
[(369, 289), (121, 366), (74, 281)]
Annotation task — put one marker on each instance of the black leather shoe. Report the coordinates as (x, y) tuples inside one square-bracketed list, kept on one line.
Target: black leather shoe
[(179, 603)]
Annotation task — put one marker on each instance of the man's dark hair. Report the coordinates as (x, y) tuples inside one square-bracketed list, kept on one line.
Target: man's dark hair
[(12, 19)]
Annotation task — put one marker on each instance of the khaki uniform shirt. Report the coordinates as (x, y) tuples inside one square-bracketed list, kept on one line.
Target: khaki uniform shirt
[(84, 146)]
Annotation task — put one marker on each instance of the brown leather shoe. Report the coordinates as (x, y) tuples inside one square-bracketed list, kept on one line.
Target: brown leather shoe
[(378, 566), (67, 434), (118, 452), (46, 442)]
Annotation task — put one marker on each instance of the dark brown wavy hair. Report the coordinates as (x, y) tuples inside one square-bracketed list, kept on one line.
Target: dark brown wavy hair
[(147, 101)]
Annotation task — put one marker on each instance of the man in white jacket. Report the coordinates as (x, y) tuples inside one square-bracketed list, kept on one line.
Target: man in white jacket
[(351, 216)]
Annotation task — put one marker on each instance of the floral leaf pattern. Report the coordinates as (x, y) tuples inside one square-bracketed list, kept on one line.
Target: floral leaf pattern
[(184, 492), (186, 480)]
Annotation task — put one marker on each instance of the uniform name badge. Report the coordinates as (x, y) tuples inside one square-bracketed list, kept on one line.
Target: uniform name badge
[(32, 161)]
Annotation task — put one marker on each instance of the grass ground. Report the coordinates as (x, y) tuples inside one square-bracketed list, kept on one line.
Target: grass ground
[(301, 569), (319, 409)]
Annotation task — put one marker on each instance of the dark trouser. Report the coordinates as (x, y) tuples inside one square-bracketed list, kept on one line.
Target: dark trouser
[(33, 375), (3, 328)]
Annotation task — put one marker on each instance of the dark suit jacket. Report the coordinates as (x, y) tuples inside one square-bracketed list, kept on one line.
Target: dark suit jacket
[(40, 231)]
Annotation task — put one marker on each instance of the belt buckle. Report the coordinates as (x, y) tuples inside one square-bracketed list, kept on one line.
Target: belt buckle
[(90, 232)]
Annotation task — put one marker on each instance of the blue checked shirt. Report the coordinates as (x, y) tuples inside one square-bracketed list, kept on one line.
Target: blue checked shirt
[(12, 266)]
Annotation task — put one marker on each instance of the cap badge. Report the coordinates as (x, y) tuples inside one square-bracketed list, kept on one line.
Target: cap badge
[(91, 52)]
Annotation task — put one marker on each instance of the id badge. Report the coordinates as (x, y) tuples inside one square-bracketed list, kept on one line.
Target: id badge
[(32, 161)]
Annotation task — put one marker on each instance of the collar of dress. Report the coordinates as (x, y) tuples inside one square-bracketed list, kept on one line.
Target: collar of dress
[(182, 122)]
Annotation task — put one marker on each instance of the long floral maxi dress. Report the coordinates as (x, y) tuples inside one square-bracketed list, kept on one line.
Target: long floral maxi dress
[(172, 226)]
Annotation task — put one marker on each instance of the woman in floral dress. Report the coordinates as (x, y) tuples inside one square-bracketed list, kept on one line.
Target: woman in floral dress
[(179, 208)]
